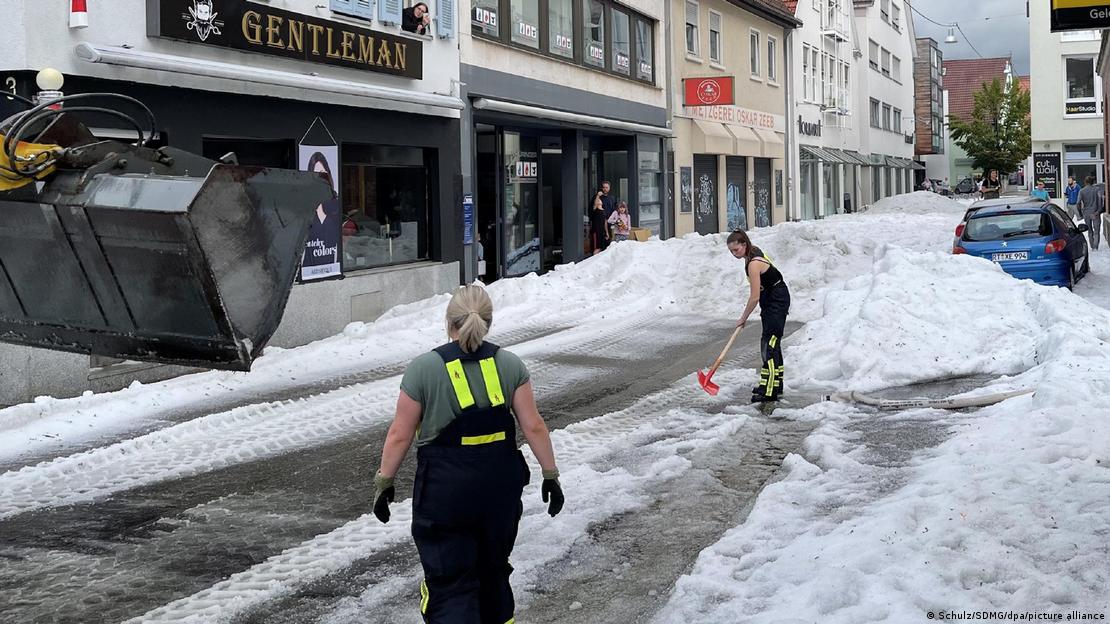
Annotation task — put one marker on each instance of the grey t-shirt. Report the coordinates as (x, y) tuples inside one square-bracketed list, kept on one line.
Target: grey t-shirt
[(1090, 200), (426, 382)]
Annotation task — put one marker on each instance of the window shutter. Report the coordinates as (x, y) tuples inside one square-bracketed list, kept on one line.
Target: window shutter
[(364, 9), (346, 7), (445, 21), (389, 11), (691, 13)]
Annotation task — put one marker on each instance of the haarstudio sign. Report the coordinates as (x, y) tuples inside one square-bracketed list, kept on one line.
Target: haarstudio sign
[(254, 27)]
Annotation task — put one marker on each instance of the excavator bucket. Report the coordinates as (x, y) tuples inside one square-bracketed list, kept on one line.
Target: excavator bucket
[(155, 255)]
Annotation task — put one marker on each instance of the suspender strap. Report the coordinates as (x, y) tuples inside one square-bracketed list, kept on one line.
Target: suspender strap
[(458, 381), (493, 382)]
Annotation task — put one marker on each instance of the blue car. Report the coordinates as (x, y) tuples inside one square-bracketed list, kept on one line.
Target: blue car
[(1028, 239)]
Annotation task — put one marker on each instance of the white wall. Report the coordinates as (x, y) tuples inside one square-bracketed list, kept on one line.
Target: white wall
[(124, 23), (847, 136), (1046, 70), (870, 26)]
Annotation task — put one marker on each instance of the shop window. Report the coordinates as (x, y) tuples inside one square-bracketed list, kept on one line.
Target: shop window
[(715, 53), (692, 46), (560, 24), (521, 204), (650, 165), (1081, 87), (622, 43), (593, 12), (876, 184), (484, 18), (645, 40), (386, 205), (526, 22)]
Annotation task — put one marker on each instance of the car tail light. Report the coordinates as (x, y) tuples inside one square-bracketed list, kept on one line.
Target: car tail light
[(1055, 246), (958, 250), (960, 230)]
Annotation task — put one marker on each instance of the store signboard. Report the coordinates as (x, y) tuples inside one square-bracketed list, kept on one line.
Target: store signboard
[(1046, 168), (708, 91), (1079, 15)]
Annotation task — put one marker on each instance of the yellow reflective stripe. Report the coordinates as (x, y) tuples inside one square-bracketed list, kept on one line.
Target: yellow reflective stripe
[(511, 620), (773, 341), (423, 597), (493, 382), (485, 439), (458, 380), (771, 379)]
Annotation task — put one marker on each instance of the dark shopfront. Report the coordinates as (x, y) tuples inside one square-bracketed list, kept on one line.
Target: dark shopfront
[(535, 178), (397, 171)]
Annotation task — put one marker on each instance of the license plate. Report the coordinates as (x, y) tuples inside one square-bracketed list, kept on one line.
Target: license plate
[(1010, 255)]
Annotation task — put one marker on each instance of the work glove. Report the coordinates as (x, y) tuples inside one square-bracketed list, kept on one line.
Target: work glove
[(552, 491), (383, 496)]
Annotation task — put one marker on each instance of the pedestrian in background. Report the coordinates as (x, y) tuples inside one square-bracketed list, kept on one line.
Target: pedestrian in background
[(992, 185), (599, 228), (1039, 192), (1091, 206), (769, 291), (455, 400), (621, 222), (1071, 192)]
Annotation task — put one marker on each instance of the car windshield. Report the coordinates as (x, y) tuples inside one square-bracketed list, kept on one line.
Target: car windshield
[(1004, 226)]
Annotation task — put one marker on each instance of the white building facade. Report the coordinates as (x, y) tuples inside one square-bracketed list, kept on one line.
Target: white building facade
[(1067, 107), (852, 114)]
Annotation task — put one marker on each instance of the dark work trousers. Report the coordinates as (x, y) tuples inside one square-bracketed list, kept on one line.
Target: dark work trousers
[(774, 304), (466, 508)]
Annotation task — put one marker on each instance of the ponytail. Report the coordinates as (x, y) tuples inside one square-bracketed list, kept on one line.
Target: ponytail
[(470, 314)]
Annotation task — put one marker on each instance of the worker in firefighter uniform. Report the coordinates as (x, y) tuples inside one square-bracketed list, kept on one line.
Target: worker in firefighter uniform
[(462, 403), (769, 291)]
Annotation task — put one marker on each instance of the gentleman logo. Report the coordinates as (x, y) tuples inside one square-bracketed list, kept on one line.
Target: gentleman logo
[(201, 19), (709, 92)]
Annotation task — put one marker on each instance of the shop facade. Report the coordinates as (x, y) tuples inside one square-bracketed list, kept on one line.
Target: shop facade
[(562, 96), (278, 87), (729, 115)]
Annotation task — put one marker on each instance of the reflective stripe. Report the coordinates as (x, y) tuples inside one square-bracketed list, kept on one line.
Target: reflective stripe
[(424, 595), (771, 379), (485, 439), (511, 620), (773, 341), (493, 382), (458, 380)]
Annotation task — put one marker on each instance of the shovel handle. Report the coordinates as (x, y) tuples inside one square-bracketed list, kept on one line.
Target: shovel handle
[(728, 346)]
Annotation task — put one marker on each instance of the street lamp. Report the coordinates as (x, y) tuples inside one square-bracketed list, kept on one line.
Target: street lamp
[(951, 38)]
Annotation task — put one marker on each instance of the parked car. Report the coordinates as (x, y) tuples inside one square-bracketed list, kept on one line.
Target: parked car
[(1028, 238), (966, 186), (940, 187)]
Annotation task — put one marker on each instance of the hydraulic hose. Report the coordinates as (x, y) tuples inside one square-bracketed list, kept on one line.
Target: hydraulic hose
[(900, 404)]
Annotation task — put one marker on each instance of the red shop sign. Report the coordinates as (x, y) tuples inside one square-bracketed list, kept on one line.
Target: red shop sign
[(708, 91)]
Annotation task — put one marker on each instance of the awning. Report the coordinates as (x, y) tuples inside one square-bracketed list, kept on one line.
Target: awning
[(773, 145), (747, 141), (916, 165), (711, 137), (566, 117), (857, 158), (813, 153)]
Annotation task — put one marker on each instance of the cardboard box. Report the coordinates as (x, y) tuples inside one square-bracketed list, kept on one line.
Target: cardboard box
[(640, 234)]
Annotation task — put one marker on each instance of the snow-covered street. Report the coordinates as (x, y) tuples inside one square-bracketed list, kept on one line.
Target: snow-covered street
[(246, 496)]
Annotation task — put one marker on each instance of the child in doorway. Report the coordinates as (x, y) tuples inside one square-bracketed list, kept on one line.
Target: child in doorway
[(622, 223)]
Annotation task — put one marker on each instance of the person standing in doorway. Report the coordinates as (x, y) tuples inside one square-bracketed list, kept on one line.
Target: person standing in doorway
[(1071, 192), (769, 291), (599, 229), (621, 222), (607, 201), (462, 402), (1091, 206)]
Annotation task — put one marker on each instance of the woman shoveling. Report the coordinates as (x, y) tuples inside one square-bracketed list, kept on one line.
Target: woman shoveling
[(769, 291)]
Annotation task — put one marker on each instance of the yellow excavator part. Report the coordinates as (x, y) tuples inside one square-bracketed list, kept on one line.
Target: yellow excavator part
[(39, 152)]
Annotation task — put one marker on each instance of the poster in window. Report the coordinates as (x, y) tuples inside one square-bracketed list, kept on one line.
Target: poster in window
[(318, 152), (686, 184)]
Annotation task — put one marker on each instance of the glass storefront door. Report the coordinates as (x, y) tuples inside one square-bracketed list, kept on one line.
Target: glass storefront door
[(520, 203)]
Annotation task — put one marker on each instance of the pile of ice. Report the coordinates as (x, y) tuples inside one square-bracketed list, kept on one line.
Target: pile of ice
[(916, 203)]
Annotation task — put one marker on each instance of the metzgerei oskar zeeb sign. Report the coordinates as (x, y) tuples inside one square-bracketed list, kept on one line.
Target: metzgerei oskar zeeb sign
[(255, 27), (1080, 14)]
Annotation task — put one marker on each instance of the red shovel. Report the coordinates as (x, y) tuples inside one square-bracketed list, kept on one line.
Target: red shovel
[(706, 379)]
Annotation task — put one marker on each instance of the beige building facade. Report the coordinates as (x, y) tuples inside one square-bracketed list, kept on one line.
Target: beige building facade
[(731, 88)]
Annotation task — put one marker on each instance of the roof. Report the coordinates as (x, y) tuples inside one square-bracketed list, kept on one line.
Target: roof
[(1024, 82), (791, 5), (963, 77), (774, 10)]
